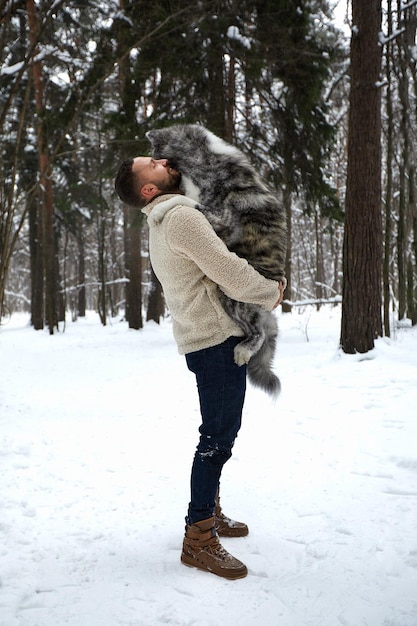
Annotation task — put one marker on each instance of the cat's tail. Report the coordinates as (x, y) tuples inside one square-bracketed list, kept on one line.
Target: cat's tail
[(259, 370), (261, 375)]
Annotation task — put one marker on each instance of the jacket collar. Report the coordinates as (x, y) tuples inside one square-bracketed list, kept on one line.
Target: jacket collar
[(166, 196)]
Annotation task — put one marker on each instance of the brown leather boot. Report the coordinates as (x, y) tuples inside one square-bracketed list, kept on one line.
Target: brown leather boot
[(225, 526), (202, 549)]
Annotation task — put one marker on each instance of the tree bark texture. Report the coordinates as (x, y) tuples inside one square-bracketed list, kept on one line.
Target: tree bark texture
[(362, 246), (45, 187)]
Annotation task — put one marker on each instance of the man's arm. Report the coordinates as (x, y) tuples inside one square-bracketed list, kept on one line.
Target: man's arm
[(191, 234)]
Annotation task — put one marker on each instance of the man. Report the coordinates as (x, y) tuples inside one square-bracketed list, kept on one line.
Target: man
[(192, 262)]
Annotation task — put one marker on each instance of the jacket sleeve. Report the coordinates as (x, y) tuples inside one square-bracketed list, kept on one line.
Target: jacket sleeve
[(189, 233)]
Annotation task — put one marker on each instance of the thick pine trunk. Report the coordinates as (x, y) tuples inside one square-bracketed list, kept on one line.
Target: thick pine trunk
[(132, 219), (46, 220), (362, 246)]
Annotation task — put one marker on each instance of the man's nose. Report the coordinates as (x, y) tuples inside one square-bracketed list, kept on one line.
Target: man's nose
[(163, 162)]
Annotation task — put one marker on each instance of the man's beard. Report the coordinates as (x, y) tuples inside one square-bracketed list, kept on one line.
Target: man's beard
[(173, 182)]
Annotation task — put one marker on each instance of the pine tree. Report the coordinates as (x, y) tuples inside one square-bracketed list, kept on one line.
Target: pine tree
[(362, 250)]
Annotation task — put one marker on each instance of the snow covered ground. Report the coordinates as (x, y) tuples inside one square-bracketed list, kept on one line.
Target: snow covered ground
[(97, 432)]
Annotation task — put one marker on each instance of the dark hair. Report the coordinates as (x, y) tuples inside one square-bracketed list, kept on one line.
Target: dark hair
[(127, 185)]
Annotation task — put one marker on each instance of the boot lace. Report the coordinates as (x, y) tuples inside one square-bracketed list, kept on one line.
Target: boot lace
[(217, 550)]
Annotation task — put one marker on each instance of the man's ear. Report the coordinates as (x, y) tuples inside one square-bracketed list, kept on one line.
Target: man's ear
[(149, 190)]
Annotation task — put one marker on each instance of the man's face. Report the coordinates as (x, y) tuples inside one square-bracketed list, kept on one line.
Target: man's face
[(157, 172)]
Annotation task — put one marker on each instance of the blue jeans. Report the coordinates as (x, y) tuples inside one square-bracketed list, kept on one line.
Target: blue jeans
[(221, 389)]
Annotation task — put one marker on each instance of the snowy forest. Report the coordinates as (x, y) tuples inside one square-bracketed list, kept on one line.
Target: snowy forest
[(326, 114), (99, 421)]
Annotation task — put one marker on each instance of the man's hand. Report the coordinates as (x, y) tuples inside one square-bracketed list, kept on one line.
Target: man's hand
[(281, 288)]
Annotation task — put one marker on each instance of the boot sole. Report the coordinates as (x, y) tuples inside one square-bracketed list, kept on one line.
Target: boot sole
[(228, 574)]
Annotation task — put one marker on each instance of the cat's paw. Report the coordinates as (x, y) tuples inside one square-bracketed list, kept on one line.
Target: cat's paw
[(242, 355)]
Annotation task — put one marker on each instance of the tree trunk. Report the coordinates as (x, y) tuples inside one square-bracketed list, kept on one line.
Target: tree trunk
[(414, 265), (231, 99), (102, 300), (45, 186), (319, 279), (335, 251), (411, 303), (411, 295), (406, 39), (401, 228), (58, 286), (156, 305), (231, 89), (362, 245), (133, 258), (287, 308), (36, 265), (81, 303), (132, 220), (412, 17), (216, 119), (388, 189)]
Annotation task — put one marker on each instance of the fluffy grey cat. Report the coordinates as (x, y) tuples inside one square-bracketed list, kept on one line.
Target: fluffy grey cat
[(218, 180)]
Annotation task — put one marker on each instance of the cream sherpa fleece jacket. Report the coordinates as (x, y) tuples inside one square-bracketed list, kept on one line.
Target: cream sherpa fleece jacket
[(191, 261)]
